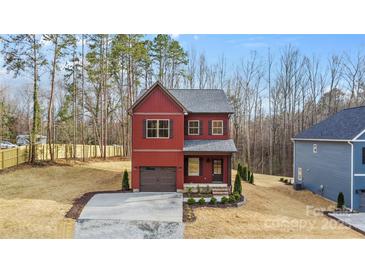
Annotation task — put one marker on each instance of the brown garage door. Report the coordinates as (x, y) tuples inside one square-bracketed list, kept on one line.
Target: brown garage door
[(158, 179)]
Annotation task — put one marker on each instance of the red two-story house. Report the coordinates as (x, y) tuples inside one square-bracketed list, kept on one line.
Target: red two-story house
[(180, 138)]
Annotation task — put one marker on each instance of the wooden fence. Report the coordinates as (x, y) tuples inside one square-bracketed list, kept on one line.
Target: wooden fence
[(20, 155)]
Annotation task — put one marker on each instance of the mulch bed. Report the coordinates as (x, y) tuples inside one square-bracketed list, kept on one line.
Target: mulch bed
[(79, 203), (219, 205)]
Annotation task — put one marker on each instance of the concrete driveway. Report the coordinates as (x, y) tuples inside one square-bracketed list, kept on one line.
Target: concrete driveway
[(354, 220), (142, 215)]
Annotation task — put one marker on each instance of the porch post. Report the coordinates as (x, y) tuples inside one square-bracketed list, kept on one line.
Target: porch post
[(229, 179)]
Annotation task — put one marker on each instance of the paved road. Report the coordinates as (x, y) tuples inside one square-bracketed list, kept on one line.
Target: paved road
[(143, 215)]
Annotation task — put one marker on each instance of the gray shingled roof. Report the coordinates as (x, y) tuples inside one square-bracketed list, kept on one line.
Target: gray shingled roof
[(203, 100), (344, 125), (209, 146)]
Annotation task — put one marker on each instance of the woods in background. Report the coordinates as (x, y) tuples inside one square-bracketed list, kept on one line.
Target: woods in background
[(77, 89)]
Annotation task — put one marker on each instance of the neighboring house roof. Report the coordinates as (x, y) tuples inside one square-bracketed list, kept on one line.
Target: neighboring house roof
[(344, 125), (203, 100), (194, 100), (209, 146)]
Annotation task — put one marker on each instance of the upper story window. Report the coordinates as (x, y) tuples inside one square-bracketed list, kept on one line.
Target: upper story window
[(193, 127), (363, 155), (158, 128), (314, 148), (217, 127)]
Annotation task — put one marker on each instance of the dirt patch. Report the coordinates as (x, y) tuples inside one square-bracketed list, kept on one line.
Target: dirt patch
[(188, 214)]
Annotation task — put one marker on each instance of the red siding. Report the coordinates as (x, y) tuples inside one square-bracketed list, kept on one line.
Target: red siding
[(158, 152), (205, 118), (207, 169), (157, 101)]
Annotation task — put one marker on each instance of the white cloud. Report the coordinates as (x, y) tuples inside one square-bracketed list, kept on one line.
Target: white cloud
[(175, 36), (196, 37)]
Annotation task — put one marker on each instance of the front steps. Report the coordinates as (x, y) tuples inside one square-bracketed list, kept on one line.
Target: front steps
[(217, 189), (220, 191)]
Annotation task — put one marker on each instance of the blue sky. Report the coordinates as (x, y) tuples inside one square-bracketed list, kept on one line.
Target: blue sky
[(235, 47)]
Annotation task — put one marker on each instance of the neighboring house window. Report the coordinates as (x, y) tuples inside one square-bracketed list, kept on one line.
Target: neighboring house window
[(193, 167), (314, 148), (217, 127), (193, 127), (158, 128), (363, 155), (300, 174)]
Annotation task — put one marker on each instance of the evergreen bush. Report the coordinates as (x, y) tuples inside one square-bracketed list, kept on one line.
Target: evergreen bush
[(251, 181), (237, 184), (340, 200), (191, 201), (201, 201), (125, 181), (213, 201)]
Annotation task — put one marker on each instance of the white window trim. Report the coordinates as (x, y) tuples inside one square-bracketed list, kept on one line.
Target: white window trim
[(193, 127), (217, 127), (158, 127), (194, 174)]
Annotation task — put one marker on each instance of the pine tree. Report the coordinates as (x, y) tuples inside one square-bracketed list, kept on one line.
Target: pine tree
[(125, 181), (237, 184), (340, 200)]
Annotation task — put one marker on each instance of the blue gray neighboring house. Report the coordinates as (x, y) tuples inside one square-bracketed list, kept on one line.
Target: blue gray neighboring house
[(329, 157)]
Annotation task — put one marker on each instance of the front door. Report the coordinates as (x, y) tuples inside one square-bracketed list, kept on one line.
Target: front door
[(218, 170)]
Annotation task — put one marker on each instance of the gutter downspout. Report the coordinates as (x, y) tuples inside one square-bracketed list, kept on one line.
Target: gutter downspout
[(352, 174), (293, 160)]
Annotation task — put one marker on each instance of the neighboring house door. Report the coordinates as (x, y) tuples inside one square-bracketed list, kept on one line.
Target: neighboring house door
[(218, 170), (158, 179)]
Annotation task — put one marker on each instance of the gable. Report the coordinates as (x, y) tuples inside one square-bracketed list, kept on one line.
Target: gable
[(157, 101)]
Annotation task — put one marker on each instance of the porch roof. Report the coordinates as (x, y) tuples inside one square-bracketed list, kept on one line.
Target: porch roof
[(209, 146)]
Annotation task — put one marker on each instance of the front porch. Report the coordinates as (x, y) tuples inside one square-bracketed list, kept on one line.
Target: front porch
[(204, 173)]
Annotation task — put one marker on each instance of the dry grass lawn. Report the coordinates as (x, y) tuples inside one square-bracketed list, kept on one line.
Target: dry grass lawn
[(33, 201), (273, 210)]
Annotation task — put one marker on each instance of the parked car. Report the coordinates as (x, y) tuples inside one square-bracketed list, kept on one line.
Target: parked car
[(6, 144), (23, 140)]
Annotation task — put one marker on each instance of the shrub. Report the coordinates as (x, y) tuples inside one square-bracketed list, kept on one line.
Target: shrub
[(239, 169), (231, 199), (213, 201), (191, 201), (207, 190), (340, 200), (201, 201), (125, 181), (286, 181), (237, 196), (281, 180), (237, 184), (244, 173), (224, 200), (251, 181), (198, 190), (190, 190)]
